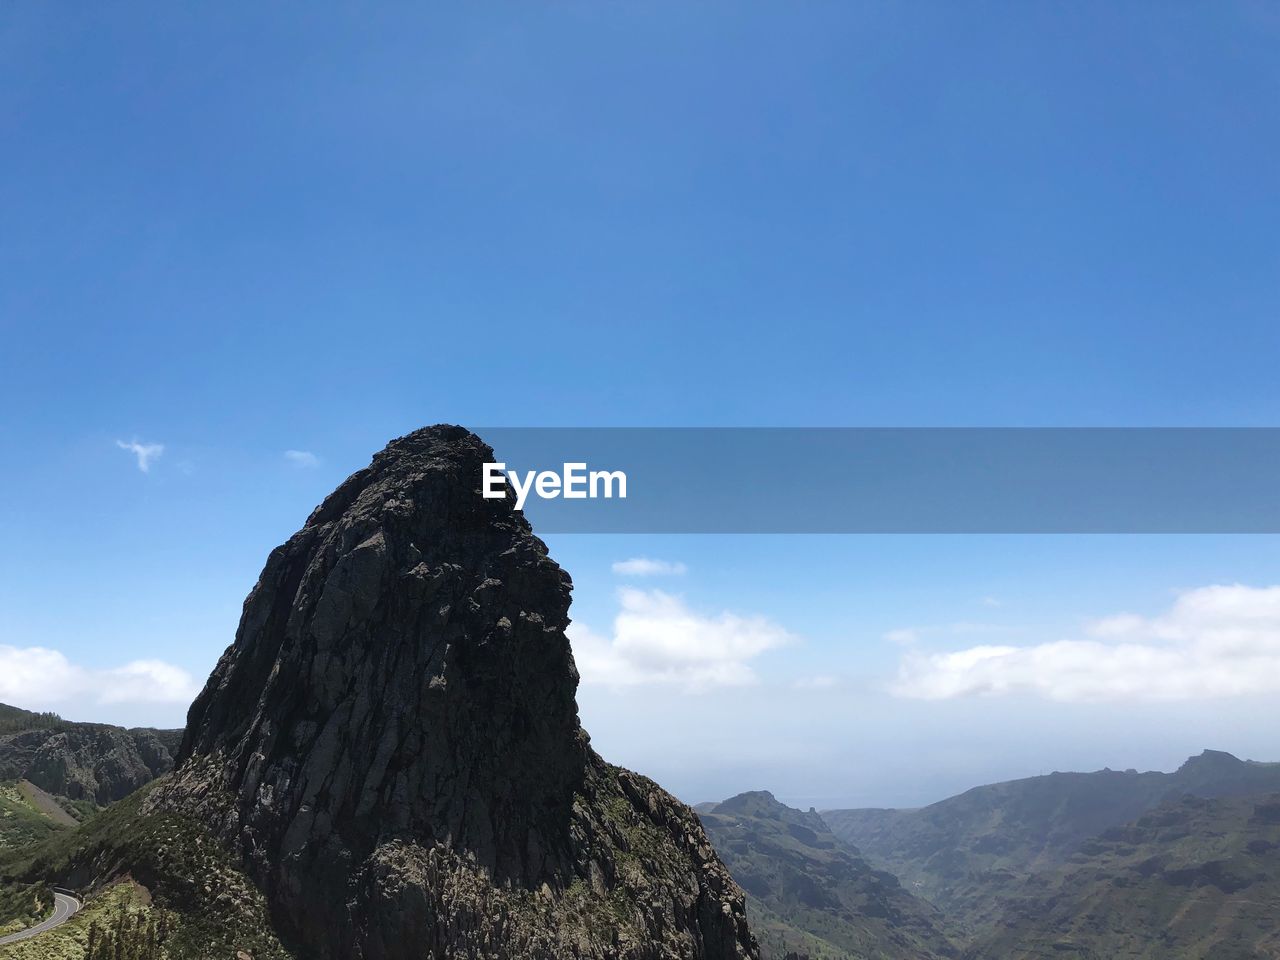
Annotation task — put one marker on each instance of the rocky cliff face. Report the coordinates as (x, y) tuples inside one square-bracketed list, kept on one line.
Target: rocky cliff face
[(85, 761), (392, 744)]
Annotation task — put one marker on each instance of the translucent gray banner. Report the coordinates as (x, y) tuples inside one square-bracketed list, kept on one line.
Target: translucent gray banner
[(891, 480)]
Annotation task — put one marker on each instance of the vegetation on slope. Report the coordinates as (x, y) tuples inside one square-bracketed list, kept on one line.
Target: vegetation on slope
[(969, 851), (17, 720), (121, 923), (1195, 878), (23, 905), (21, 823), (209, 907), (809, 893)]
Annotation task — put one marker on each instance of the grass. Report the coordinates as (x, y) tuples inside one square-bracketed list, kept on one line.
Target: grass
[(21, 823), (23, 905), (212, 907), (70, 941), (81, 810)]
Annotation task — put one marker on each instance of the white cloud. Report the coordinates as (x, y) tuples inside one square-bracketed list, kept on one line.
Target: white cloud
[(40, 678), (145, 452), (644, 567), (657, 639), (991, 602), (904, 637), (1217, 641), (148, 681), (910, 636), (302, 458), (820, 682)]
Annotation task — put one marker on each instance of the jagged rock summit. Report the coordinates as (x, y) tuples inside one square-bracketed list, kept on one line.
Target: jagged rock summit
[(392, 744)]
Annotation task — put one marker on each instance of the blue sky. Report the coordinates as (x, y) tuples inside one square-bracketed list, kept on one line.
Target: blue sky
[(238, 231)]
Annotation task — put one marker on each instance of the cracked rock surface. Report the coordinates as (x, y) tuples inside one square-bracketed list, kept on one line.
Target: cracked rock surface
[(392, 744)]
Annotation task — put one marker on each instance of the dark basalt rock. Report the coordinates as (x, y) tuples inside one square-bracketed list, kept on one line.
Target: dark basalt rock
[(392, 744)]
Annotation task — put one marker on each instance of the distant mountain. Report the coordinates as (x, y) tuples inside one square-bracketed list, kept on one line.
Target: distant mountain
[(93, 763), (965, 852), (811, 894), (1194, 878)]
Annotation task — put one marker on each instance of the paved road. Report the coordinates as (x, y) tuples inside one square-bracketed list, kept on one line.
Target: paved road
[(64, 908)]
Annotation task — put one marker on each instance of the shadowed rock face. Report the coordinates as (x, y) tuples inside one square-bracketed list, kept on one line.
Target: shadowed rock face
[(392, 742)]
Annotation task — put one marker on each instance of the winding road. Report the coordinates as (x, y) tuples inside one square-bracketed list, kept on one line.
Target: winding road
[(65, 907)]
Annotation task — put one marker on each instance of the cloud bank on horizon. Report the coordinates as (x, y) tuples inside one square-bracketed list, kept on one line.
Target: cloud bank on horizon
[(1213, 642), (658, 639), (38, 678)]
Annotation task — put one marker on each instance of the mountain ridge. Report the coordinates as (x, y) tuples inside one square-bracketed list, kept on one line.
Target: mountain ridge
[(1194, 877), (809, 894), (965, 852)]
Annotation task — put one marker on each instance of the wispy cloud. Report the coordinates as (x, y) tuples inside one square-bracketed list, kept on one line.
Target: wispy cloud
[(41, 678), (145, 452), (819, 682), (910, 636), (1217, 641), (302, 458), (658, 639), (645, 567)]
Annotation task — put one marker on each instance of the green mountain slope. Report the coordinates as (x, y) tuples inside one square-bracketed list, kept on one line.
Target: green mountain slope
[(16, 720), (185, 897), (966, 852), (22, 821), (23, 905), (1195, 879), (810, 893), (169, 872)]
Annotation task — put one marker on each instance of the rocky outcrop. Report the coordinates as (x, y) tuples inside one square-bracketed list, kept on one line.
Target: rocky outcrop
[(392, 744), (86, 761)]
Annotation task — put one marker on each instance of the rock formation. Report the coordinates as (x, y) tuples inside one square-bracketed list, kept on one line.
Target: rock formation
[(85, 761), (392, 744)]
